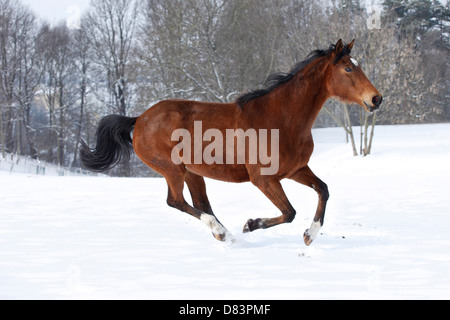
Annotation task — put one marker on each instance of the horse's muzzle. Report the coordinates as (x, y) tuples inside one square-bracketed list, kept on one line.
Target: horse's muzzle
[(376, 103)]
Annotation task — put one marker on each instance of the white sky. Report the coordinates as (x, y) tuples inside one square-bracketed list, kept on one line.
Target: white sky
[(56, 10)]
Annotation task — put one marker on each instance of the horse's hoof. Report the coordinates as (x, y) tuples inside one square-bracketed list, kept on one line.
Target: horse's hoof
[(225, 237), (311, 233), (246, 228), (307, 238), (221, 237), (252, 225)]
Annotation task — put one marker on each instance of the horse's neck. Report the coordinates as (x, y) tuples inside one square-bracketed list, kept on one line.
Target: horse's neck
[(304, 95)]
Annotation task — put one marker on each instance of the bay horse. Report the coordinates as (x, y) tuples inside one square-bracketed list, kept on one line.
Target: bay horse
[(288, 102)]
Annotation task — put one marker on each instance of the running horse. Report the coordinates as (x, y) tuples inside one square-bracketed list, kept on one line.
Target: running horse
[(288, 102)]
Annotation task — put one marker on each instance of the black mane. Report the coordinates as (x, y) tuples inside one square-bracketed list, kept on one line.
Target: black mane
[(277, 79)]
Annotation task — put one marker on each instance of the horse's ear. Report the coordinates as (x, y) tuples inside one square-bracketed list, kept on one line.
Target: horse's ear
[(350, 45), (338, 47)]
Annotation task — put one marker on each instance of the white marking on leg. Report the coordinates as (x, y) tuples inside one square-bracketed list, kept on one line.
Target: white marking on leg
[(314, 230), (212, 222)]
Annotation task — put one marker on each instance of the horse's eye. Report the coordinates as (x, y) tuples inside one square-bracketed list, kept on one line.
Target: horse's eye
[(349, 70)]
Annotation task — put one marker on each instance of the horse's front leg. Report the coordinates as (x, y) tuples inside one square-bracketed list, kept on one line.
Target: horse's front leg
[(273, 190), (307, 177)]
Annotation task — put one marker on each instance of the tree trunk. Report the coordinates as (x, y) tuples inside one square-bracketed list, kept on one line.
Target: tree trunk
[(2, 134), (372, 133), (350, 130), (61, 127), (29, 133), (80, 119)]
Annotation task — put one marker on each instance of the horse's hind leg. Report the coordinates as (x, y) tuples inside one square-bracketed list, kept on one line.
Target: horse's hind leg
[(197, 188), (176, 200)]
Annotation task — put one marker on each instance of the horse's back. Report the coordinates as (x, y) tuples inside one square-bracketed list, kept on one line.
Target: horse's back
[(154, 130), (181, 113)]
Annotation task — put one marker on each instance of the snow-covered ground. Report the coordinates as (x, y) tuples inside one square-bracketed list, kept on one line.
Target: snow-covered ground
[(386, 235), (15, 164)]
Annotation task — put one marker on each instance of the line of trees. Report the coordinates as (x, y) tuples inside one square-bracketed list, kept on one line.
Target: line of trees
[(56, 82)]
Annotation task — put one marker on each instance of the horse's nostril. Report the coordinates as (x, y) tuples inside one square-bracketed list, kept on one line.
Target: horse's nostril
[(377, 100)]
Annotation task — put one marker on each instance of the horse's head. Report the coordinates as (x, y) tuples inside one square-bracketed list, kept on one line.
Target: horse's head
[(348, 82)]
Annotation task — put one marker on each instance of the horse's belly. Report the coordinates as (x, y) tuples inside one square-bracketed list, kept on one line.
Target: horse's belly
[(222, 172)]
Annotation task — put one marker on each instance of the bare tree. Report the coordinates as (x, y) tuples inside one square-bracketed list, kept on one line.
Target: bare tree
[(8, 65), (211, 50), (58, 88), (179, 39), (82, 50), (20, 76), (111, 25)]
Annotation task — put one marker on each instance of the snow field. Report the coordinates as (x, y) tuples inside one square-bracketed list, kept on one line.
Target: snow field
[(386, 233)]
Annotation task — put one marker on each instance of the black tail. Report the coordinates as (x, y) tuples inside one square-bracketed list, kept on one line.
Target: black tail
[(114, 144)]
